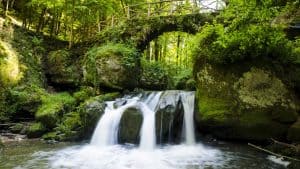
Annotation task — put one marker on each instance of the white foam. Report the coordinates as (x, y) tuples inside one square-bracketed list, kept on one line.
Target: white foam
[(278, 160)]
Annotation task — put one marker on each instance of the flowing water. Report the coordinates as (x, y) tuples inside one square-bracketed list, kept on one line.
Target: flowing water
[(104, 152)]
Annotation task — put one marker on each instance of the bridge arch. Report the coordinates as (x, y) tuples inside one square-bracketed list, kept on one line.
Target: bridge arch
[(140, 32)]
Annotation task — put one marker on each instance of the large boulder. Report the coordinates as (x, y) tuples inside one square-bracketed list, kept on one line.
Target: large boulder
[(243, 103), (113, 66), (169, 118), (63, 69), (130, 125), (91, 110)]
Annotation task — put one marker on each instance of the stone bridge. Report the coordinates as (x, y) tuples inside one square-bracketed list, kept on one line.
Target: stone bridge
[(141, 31)]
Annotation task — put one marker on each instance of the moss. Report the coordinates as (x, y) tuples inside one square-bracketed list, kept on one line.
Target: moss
[(17, 128), (36, 130), (53, 107), (24, 100), (112, 66), (51, 136), (83, 94), (92, 109), (70, 127), (10, 72), (213, 108), (62, 68), (260, 88), (232, 105)]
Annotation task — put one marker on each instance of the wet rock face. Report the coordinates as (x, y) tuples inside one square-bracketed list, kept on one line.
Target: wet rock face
[(168, 120), (130, 125), (251, 104), (92, 110)]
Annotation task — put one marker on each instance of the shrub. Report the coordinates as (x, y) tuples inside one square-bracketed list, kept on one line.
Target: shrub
[(53, 107)]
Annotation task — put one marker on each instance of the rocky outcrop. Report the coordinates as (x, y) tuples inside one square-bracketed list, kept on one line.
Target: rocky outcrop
[(112, 66), (91, 111), (244, 103), (130, 124), (63, 70)]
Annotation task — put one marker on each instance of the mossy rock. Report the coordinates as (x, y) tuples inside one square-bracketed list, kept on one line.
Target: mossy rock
[(63, 69), (83, 94), (112, 66), (23, 101), (294, 132), (36, 130), (91, 110), (70, 129), (10, 66), (254, 105), (53, 107), (51, 136), (130, 125), (17, 128)]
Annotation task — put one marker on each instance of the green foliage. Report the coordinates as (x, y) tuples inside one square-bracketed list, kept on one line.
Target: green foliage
[(253, 42), (53, 107), (111, 65), (36, 130), (154, 75), (70, 127), (83, 94), (24, 99), (296, 50), (245, 34), (128, 54)]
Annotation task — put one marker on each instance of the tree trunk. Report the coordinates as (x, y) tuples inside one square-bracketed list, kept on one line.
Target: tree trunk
[(6, 9), (156, 49), (72, 25), (41, 21)]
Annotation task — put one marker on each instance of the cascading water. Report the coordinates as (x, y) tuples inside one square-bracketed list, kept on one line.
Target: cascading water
[(106, 132), (163, 114), (188, 101)]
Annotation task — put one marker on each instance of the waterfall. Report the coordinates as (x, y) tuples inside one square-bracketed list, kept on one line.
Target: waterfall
[(106, 132), (148, 136), (188, 101)]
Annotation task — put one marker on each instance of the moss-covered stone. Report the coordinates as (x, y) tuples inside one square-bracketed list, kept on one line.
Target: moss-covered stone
[(91, 110), (10, 67), (24, 100), (63, 69), (254, 105), (51, 136), (17, 128), (84, 94), (70, 128), (53, 107), (112, 66), (36, 130), (294, 132)]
